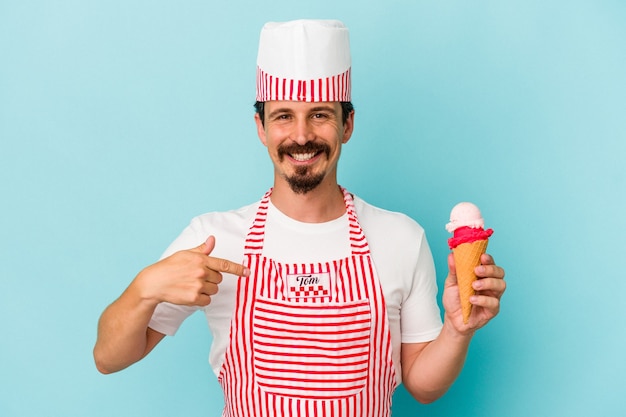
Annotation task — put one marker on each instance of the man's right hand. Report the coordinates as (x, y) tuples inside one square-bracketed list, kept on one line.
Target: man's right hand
[(189, 277)]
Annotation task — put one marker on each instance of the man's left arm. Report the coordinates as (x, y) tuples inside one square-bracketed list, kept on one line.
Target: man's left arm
[(430, 368)]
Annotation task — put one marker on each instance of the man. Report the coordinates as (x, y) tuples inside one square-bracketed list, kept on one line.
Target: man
[(335, 302)]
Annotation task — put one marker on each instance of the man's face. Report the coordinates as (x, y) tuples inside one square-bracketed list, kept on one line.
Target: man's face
[(304, 141)]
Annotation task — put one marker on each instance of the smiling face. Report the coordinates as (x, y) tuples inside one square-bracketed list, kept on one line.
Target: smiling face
[(304, 141)]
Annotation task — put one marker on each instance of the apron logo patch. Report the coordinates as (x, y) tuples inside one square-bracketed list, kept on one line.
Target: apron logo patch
[(308, 285)]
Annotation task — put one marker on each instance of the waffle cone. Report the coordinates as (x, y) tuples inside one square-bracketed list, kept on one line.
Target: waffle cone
[(466, 258)]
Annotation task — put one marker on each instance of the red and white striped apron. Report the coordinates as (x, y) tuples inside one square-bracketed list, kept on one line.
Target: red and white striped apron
[(308, 339)]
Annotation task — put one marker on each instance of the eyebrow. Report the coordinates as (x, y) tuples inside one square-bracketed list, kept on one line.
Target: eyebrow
[(324, 107)]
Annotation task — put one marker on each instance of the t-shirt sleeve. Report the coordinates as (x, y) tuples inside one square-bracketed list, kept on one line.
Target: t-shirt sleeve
[(420, 315), (168, 317)]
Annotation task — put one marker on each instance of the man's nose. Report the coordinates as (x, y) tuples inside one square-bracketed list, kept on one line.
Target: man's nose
[(303, 131)]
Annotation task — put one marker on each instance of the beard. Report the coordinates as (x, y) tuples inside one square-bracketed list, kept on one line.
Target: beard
[(303, 180)]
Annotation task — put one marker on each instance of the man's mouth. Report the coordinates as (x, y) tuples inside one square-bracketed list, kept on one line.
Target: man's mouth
[(303, 153), (303, 157)]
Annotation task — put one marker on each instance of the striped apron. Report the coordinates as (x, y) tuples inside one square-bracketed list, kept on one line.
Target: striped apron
[(308, 339)]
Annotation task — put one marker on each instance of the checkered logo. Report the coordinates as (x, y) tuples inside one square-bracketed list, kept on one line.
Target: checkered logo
[(308, 285)]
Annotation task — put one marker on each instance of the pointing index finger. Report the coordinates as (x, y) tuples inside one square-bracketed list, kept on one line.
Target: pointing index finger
[(224, 265)]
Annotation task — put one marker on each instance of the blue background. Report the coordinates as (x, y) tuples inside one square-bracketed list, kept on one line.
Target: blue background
[(121, 120)]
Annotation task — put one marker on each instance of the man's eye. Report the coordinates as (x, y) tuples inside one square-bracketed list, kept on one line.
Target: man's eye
[(319, 115)]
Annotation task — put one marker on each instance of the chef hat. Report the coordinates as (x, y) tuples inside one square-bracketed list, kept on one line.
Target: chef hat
[(304, 60)]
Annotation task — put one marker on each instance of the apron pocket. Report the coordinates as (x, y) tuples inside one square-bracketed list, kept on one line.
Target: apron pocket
[(311, 351)]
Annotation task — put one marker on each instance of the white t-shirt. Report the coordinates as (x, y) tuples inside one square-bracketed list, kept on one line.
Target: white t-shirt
[(398, 247)]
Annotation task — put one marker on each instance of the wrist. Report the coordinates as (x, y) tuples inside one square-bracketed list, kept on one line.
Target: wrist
[(143, 290), (450, 331)]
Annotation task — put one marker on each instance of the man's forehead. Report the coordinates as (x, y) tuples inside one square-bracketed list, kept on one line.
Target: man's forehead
[(277, 105)]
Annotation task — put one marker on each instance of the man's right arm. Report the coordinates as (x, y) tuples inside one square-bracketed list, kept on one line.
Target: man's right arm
[(123, 333), (187, 277)]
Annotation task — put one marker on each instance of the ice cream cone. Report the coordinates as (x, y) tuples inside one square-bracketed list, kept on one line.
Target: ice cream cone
[(466, 258)]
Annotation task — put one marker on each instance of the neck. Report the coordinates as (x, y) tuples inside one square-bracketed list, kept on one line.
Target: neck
[(324, 203)]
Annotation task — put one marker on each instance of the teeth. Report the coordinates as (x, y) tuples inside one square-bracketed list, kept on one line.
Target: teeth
[(301, 157)]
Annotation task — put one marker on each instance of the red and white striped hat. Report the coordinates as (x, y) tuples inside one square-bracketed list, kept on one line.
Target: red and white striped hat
[(304, 60)]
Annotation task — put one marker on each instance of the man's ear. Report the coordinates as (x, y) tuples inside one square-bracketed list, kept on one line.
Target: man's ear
[(260, 129), (348, 127)]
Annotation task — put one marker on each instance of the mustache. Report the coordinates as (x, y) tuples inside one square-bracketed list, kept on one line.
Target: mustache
[(309, 147)]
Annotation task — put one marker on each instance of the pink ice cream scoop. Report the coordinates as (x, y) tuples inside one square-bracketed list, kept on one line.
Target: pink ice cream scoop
[(467, 224)]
